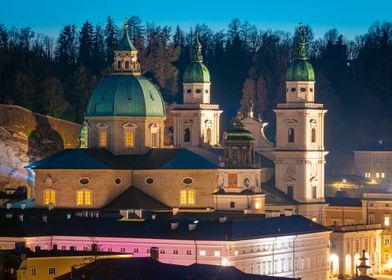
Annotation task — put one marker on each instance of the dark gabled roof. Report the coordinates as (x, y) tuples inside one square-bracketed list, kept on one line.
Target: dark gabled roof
[(243, 192), (263, 161), (161, 229), (149, 269), (274, 196), (344, 201), (103, 159), (133, 198), (379, 146)]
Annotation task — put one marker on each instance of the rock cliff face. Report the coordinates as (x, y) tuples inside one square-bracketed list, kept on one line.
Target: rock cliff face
[(26, 137)]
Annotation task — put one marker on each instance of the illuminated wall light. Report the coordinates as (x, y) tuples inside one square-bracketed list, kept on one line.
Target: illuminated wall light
[(258, 205), (224, 262)]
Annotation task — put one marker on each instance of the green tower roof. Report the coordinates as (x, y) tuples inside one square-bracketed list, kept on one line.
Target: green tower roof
[(196, 71), (239, 133), (300, 68), (126, 95), (126, 43)]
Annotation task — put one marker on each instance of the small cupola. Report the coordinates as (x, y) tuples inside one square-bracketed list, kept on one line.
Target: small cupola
[(126, 56)]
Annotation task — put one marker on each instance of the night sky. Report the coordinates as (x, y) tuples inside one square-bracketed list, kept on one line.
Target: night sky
[(349, 16)]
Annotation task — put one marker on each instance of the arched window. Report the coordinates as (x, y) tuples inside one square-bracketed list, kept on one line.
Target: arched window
[(49, 196), (187, 197), (83, 197), (313, 135), (208, 135), (155, 136), (291, 135), (119, 64), (187, 135)]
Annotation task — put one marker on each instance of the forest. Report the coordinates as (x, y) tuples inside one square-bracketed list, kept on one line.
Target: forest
[(55, 76)]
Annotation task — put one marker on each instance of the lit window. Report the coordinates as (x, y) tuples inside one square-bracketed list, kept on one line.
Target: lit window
[(187, 197), (217, 253), (386, 257), (258, 205), (83, 197), (52, 270), (202, 253), (314, 219), (377, 175), (382, 175), (371, 219), (387, 242), (129, 139), (208, 135), (33, 271), (49, 197), (155, 139), (386, 220), (102, 138)]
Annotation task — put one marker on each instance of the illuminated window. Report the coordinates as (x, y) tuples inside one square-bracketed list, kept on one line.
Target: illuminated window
[(377, 175), (187, 197), (291, 135), (102, 138), (386, 220), (371, 219), (382, 175), (202, 253), (386, 257), (83, 197), (33, 271), (129, 139), (387, 242), (155, 139), (258, 205), (314, 219), (208, 135), (313, 135), (217, 253), (49, 197)]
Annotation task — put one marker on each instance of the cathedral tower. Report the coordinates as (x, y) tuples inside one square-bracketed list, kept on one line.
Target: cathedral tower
[(196, 122), (299, 154)]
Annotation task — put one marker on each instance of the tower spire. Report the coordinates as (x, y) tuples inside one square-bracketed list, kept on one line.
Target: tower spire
[(196, 52), (301, 46)]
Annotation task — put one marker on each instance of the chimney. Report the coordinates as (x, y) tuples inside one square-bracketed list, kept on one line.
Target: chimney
[(154, 253), (174, 225), (222, 219), (191, 227)]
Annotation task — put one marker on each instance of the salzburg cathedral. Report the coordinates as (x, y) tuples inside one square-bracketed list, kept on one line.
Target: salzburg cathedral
[(149, 178)]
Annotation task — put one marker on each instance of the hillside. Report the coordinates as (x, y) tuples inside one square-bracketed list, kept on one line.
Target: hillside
[(26, 137)]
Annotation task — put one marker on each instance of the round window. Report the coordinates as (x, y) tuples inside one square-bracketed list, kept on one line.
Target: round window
[(293, 89), (198, 90), (311, 89), (206, 91), (118, 181), (187, 181), (84, 181), (189, 91), (303, 89), (149, 180)]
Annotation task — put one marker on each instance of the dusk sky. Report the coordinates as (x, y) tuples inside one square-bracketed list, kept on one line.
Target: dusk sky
[(349, 16)]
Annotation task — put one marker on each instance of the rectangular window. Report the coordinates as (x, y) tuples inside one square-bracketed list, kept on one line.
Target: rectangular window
[(371, 219), (348, 247), (79, 198), (377, 175), (386, 220), (83, 197), (217, 253), (188, 252), (387, 242), (314, 192), (136, 250), (129, 139), (49, 197), (183, 197), (191, 197), (202, 253), (102, 138), (52, 270), (155, 139), (386, 257), (290, 191), (232, 204), (162, 252), (126, 64), (382, 175), (187, 197), (122, 250), (33, 271), (175, 252), (63, 247)]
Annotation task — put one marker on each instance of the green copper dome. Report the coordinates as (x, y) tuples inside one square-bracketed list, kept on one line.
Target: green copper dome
[(196, 71), (300, 68), (239, 133), (126, 95)]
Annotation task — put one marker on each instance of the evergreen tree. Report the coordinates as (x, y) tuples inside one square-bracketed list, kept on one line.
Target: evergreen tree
[(111, 41), (98, 51), (86, 44), (53, 102)]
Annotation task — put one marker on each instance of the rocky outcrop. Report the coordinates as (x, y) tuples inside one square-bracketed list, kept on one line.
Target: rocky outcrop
[(26, 137)]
